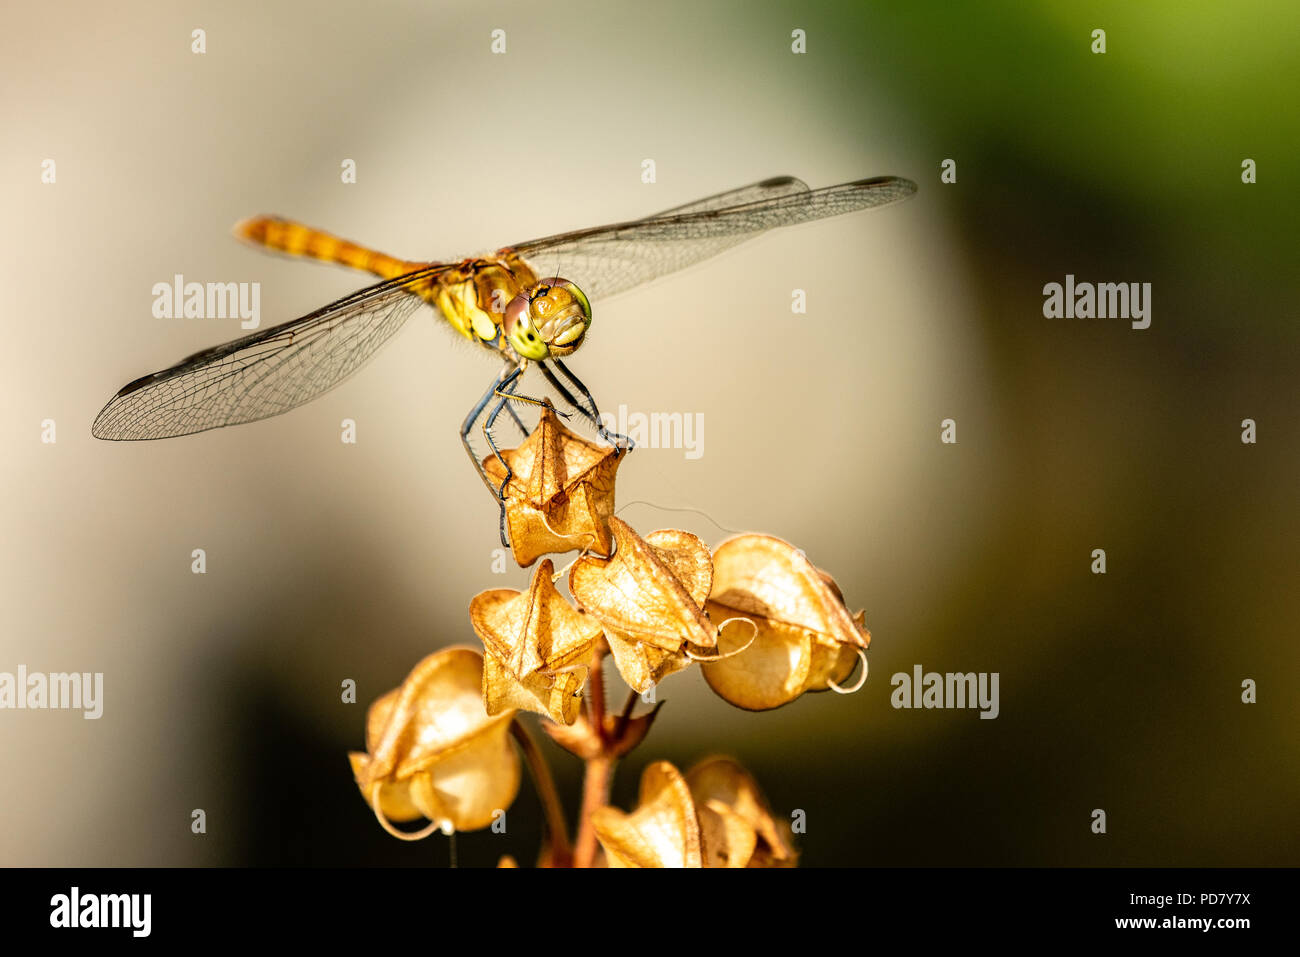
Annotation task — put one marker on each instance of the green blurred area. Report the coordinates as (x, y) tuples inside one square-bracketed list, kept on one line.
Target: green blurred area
[(1141, 146)]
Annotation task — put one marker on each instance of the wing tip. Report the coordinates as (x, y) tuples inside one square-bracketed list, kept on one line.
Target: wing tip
[(99, 429), (105, 427), (102, 427)]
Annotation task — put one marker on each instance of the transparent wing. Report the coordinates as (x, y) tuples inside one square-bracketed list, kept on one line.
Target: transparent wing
[(266, 373), (606, 260), (769, 189)]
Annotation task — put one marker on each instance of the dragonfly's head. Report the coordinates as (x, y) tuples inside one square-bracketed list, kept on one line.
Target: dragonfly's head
[(549, 318)]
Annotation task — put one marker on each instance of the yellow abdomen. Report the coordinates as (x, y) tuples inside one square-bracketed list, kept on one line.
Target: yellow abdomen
[(295, 239)]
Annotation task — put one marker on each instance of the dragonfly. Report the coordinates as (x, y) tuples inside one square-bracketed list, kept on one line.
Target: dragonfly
[(512, 303)]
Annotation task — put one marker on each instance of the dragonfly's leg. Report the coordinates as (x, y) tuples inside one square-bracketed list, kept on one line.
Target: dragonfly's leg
[(510, 395), (566, 394), (472, 419), (499, 491), (507, 376), (523, 429), (616, 439)]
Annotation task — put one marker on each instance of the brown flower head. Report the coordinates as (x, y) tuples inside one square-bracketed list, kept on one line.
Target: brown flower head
[(433, 752), (650, 598), (561, 491), (539, 649), (805, 639), (713, 817)]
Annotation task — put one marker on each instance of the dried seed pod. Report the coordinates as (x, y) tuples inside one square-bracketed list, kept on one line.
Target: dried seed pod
[(561, 492), (663, 831), (539, 648), (805, 640), (722, 783), (713, 817), (726, 837), (434, 752), (650, 598)]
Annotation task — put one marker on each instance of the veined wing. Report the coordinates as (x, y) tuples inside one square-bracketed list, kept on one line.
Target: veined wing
[(265, 373), (605, 260), (767, 190)]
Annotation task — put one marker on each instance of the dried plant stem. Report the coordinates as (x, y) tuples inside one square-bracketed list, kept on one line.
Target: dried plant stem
[(595, 794), (561, 853), (596, 695), (596, 780)]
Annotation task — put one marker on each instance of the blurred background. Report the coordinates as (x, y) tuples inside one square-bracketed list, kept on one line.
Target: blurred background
[(328, 561)]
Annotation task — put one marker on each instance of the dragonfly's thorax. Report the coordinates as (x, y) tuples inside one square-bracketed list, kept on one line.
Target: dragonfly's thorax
[(474, 296)]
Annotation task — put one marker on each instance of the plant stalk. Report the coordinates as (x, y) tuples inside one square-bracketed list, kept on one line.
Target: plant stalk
[(595, 794), (561, 852), (599, 770)]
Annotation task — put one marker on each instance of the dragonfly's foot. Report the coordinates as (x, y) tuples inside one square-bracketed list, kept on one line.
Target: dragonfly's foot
[(546, 401), (620, 442)]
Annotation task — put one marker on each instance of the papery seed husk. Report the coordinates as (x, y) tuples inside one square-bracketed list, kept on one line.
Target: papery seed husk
[(772, 671), (651, 591), (728, 839), (663, 831), (725, 781)]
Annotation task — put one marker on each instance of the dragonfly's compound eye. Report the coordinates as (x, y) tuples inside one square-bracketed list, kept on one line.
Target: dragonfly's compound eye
[(520, 330)]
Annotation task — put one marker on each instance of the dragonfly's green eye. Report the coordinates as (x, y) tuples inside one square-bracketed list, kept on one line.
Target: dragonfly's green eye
[(582, 300), (519, 329)]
